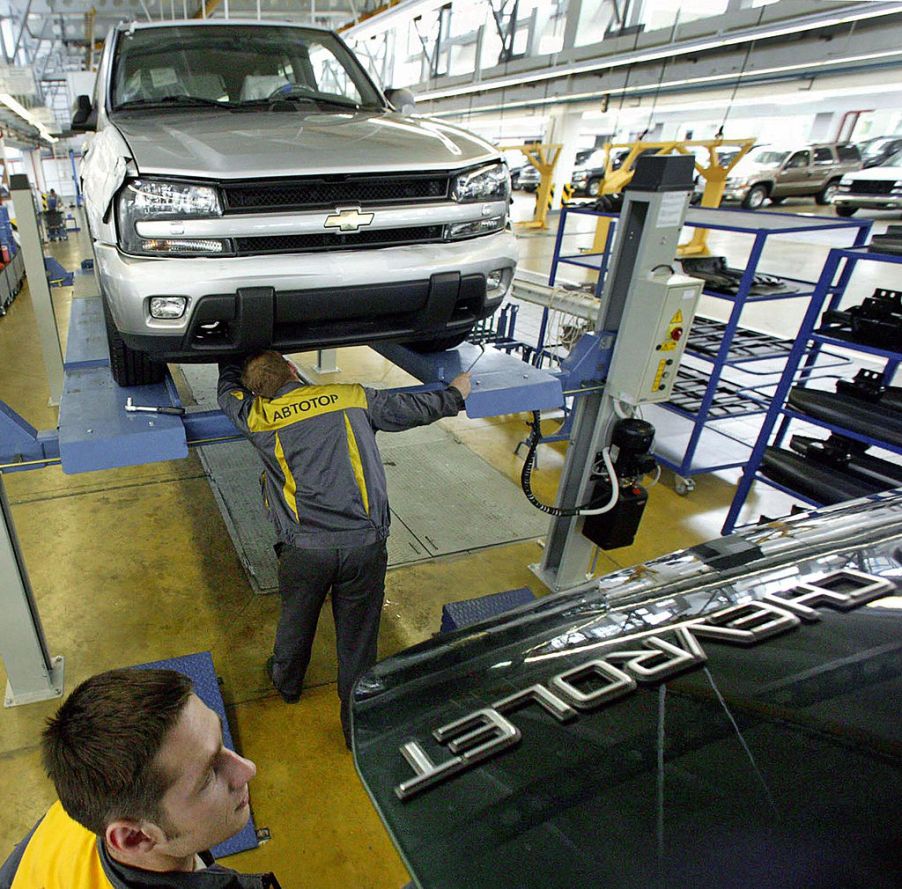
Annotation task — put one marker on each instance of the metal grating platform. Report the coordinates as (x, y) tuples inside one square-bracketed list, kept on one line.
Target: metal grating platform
[(707, 335), (444, 499), (456, 615), (730, 400)]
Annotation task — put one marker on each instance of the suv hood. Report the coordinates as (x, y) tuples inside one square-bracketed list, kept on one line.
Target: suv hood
[(204, 144), (877, 174)]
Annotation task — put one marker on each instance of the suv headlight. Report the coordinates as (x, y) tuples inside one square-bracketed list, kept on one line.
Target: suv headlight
[(154, 199), (492, 182)]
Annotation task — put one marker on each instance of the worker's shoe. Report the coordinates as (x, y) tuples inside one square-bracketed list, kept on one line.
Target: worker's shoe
[(289, 699)]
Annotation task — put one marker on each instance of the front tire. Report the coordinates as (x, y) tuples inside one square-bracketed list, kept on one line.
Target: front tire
[(777, 201), (128, 366), (827, 193), (845, 211), (755, 198)]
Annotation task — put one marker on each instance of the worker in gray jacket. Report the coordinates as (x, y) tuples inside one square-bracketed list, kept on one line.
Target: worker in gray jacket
[(324, 489)]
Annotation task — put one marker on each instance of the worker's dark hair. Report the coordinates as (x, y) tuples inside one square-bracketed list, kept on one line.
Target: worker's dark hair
[(265, 373), (100, 748)]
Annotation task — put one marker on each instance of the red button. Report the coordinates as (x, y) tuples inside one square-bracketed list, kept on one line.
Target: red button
[(676, 333)]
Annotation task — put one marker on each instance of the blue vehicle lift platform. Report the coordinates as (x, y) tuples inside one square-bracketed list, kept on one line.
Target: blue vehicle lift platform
[(96, 432)]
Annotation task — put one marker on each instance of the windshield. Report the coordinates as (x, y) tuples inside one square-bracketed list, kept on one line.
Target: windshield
[(234, 67), (769, 158), (894, 160), (875, 147)]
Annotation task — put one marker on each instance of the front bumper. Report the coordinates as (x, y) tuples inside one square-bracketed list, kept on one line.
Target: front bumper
[(304, 301), (872, 201), (735, 192)]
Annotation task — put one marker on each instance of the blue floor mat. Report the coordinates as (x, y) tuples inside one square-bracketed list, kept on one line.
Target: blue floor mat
[(199, 669)]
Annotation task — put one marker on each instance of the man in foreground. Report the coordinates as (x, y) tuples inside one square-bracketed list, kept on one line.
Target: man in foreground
[(145, 789), (324, 489)]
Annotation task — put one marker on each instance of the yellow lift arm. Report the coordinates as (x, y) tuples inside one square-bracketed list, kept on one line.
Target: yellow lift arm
[(544, 158), (713, 172)]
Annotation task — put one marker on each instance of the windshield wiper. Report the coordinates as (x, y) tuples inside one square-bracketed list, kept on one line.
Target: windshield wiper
[(169, 101), (321, 101), (338, 103)]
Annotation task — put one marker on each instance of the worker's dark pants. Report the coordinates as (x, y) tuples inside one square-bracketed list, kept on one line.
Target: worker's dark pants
[(356, 578)]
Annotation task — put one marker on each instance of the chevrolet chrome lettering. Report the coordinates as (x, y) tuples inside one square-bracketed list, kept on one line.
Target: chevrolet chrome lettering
[(648, 657)]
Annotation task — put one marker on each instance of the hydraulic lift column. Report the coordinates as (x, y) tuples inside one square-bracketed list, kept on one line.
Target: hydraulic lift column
[(647, 308), (32, 674)]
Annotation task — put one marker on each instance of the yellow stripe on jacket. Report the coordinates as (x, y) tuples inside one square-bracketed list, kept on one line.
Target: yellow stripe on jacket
[(61, 854), (357, 464), (290, 487), (272, 414)]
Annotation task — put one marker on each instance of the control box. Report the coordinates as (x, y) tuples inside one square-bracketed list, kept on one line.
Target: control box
[(652, 337)]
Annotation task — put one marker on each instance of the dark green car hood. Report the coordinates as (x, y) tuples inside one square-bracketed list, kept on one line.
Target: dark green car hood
[(759, 744)]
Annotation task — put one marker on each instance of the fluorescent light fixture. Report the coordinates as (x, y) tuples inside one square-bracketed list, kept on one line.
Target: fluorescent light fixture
[(668, 84), (696, 46), (27, 116)]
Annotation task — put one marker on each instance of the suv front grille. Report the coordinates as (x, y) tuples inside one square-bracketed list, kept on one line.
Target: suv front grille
[(871, 186), (334, 192), (422, 234)]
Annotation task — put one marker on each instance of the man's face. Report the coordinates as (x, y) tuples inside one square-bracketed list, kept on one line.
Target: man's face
[(207, 801)]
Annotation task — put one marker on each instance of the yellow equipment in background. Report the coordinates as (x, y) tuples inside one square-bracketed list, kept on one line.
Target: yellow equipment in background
[(714, 173), (544, 158)]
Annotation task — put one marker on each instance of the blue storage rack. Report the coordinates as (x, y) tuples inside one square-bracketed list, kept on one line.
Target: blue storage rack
[(688, 442), (840, 264)]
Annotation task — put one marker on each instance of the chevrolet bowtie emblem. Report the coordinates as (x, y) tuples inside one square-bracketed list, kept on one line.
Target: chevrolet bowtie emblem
[(348, 219)]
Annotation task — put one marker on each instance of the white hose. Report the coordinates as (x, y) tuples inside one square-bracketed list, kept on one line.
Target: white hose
[(615, 487)]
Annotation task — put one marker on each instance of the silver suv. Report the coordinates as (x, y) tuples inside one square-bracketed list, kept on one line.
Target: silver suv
[(777, 173), (249, 186)]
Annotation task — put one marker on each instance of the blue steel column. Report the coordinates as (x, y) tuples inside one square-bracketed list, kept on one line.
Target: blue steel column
[(722, 354), (786, 381), (561, 223)]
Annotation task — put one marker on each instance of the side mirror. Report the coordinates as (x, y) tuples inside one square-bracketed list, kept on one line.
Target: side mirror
[(402, 100), (84, 119)]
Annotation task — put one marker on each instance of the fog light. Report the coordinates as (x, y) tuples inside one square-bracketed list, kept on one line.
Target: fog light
[(168, 306), (494, 280)]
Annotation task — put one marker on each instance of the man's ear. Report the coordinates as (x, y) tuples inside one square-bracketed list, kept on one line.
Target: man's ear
[(132, 837), (295, 370)]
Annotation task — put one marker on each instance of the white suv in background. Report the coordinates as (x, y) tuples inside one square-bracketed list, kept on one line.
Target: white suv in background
[(249, 186), (874, 188)]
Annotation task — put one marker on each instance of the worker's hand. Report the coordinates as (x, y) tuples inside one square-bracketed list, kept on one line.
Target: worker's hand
[(462, 383)]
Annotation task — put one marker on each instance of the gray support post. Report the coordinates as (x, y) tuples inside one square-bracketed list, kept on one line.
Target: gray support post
[(647, 235), (32, 675), (38, 287), (325, 362), (574, 11)]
